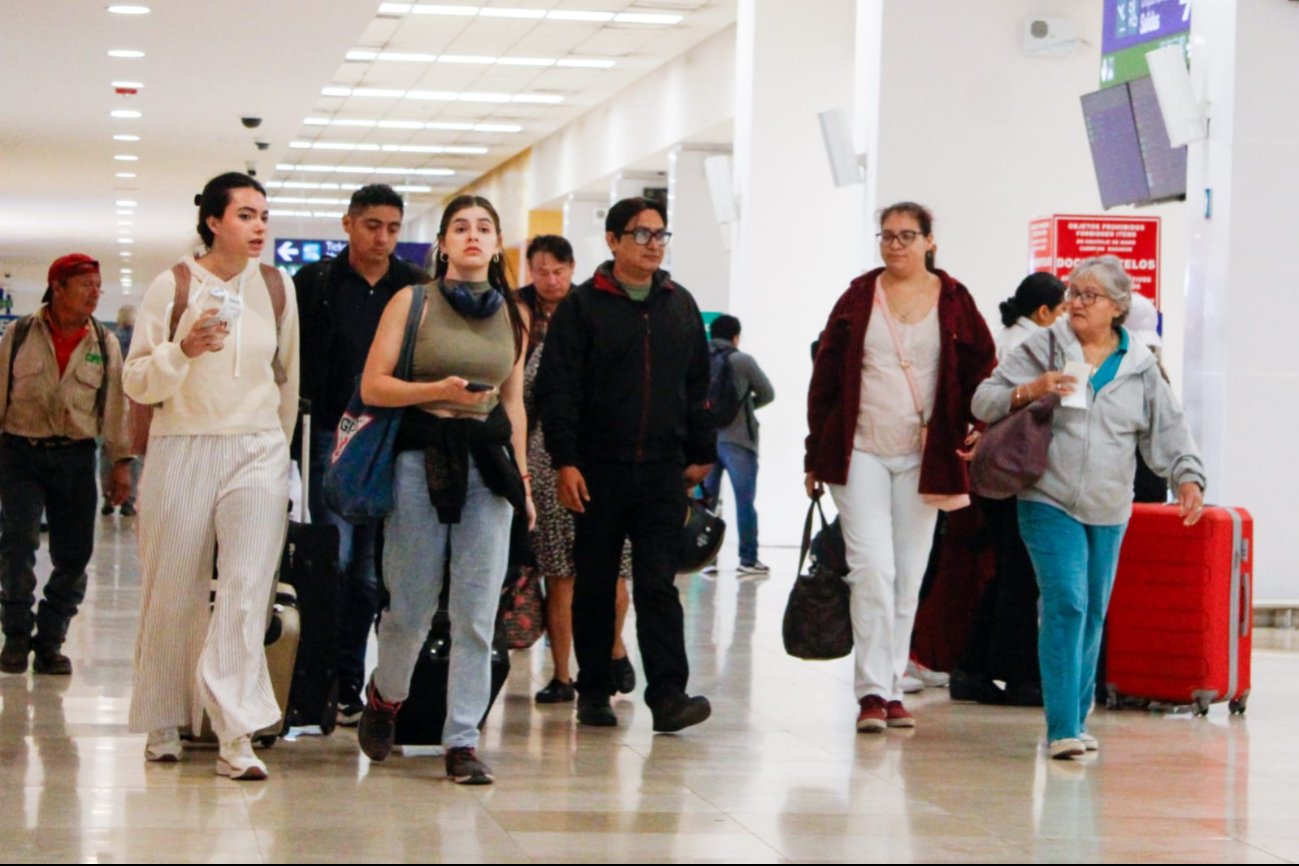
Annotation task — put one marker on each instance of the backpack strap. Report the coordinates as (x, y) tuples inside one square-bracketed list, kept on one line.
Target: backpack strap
[(180, 301), (22, 328), (275, 287), (101, 393)]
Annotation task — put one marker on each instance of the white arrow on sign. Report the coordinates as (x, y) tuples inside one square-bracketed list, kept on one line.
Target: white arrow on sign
[(287, 251)]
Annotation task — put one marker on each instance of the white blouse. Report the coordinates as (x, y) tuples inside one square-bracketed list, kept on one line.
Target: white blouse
[(887, 424)]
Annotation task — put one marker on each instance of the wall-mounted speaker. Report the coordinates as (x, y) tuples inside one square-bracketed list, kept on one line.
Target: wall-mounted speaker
[(845, 165), (1184, 116)]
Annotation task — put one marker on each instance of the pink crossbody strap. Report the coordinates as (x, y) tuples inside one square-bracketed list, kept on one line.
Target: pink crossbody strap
[(881, 301)]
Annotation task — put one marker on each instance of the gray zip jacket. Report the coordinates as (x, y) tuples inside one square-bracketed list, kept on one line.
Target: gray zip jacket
[(1093, 455)]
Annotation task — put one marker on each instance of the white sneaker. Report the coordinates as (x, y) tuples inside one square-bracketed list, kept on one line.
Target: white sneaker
[(238, 761), (711, 568), (910, 685), (1089, 742), (1064, 749), (163, 746), (755, 567), (932, 679)]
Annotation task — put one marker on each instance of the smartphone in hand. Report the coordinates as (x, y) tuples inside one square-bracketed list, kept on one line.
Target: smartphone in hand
[(478, 387)]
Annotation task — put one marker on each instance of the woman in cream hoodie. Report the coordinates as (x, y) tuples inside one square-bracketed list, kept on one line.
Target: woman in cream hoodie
[(223, 381)]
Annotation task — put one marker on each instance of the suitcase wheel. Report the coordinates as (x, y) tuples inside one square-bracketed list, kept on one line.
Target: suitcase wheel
[(1111, 698), (1202, 706), (1238, 706), (267, 741)]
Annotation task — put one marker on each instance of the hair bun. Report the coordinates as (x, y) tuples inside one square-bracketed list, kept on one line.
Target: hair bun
[(1009, 312), (198, 200)]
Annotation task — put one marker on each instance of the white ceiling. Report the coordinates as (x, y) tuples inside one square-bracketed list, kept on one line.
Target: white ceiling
[(208, 64)]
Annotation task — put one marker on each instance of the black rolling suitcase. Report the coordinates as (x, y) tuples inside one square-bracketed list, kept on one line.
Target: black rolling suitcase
[(310, 566), (424, 712)]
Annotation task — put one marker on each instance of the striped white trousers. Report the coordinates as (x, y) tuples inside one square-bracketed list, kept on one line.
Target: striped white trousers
[(198, 492)]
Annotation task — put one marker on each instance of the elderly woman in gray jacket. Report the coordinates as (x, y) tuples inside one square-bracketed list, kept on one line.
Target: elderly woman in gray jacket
[(1074, 518)]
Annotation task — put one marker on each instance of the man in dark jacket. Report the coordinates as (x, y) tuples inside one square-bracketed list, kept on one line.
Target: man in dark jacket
[(340, 301), (624, 386)]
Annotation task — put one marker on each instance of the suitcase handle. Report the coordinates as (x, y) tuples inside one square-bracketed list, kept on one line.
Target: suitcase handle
[(1246, 594)]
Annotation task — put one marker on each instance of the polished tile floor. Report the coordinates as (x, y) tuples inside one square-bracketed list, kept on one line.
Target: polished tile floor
[(778, 774)]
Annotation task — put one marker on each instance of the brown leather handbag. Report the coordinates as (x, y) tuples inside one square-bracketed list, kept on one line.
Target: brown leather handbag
[(1011, 456)]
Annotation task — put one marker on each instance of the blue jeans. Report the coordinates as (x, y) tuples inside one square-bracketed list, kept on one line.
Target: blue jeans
[(414, 567), (356, 560), (1075, 565), (742, 465)]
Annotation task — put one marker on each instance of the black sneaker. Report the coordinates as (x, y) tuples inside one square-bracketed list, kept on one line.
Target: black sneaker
[(974, 687), (13, 659), (127, 509), (624, 675), (349, 714), (106, 509), (594, 711), (52, 662), (378, 725), (680, 711), (557, 692), (1024, 693), (464, 767)]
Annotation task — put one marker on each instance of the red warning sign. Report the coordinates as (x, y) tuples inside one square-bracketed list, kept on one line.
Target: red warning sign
[(1058, 243)]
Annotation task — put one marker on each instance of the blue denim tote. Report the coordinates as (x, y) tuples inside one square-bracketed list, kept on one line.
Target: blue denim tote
[(358, 480)]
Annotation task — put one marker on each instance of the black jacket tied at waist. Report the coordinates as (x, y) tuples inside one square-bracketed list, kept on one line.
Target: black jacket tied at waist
[(449, 444)]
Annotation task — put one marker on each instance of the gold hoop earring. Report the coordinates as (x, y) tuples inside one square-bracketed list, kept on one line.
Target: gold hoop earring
[(497, 258)]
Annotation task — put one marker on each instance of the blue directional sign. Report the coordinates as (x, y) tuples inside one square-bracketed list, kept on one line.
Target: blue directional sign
[(293, 253)]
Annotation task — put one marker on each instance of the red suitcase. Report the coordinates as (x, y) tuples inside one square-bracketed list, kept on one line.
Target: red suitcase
[(1180, 621)]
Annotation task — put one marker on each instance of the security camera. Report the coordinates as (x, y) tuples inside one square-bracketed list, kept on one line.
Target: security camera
[(251, 168), (251, 122), (263, 145)]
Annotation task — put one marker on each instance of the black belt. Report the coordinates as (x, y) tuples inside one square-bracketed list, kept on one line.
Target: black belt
[(47, 441)]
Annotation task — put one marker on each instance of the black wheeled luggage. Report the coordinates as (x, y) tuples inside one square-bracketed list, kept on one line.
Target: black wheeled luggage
[(310, 565)]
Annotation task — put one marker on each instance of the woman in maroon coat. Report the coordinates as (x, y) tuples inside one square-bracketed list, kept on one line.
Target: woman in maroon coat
[(888, 414)]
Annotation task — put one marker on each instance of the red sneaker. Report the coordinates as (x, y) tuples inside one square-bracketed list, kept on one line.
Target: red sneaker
[(898, 717), (874, 714)]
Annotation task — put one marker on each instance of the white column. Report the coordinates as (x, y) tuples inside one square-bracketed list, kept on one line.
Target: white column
[(800, 239), (700, 248), (1242, 375), (584, 229)]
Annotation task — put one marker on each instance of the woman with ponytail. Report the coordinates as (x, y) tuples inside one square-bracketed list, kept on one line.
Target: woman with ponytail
[(215, 352), (461, 472), (1037, 303)]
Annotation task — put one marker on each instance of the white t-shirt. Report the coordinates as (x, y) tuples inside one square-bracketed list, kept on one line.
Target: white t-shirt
[(1017, 333)]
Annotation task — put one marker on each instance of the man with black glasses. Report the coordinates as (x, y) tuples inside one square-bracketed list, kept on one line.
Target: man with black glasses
[(624, 383)]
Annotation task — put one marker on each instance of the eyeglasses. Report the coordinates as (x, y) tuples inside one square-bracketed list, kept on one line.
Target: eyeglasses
[(643, 236), (1087, 298), (904, 238)]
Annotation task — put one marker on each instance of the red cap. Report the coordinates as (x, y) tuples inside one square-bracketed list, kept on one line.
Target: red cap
[(66, 267)]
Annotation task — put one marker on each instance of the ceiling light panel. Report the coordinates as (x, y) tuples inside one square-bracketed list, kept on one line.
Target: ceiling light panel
[(365, 123), (125, 114), (125, 54), (342, 187), (123, 9), (365, 169), (442, 95), (582, 16)]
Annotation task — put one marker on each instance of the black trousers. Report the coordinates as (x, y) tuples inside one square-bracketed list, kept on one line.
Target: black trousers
[(59, 482), (1003, 640), (646, 503)]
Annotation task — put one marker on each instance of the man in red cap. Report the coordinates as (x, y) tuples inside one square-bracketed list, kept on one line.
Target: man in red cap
[(60, 388)]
